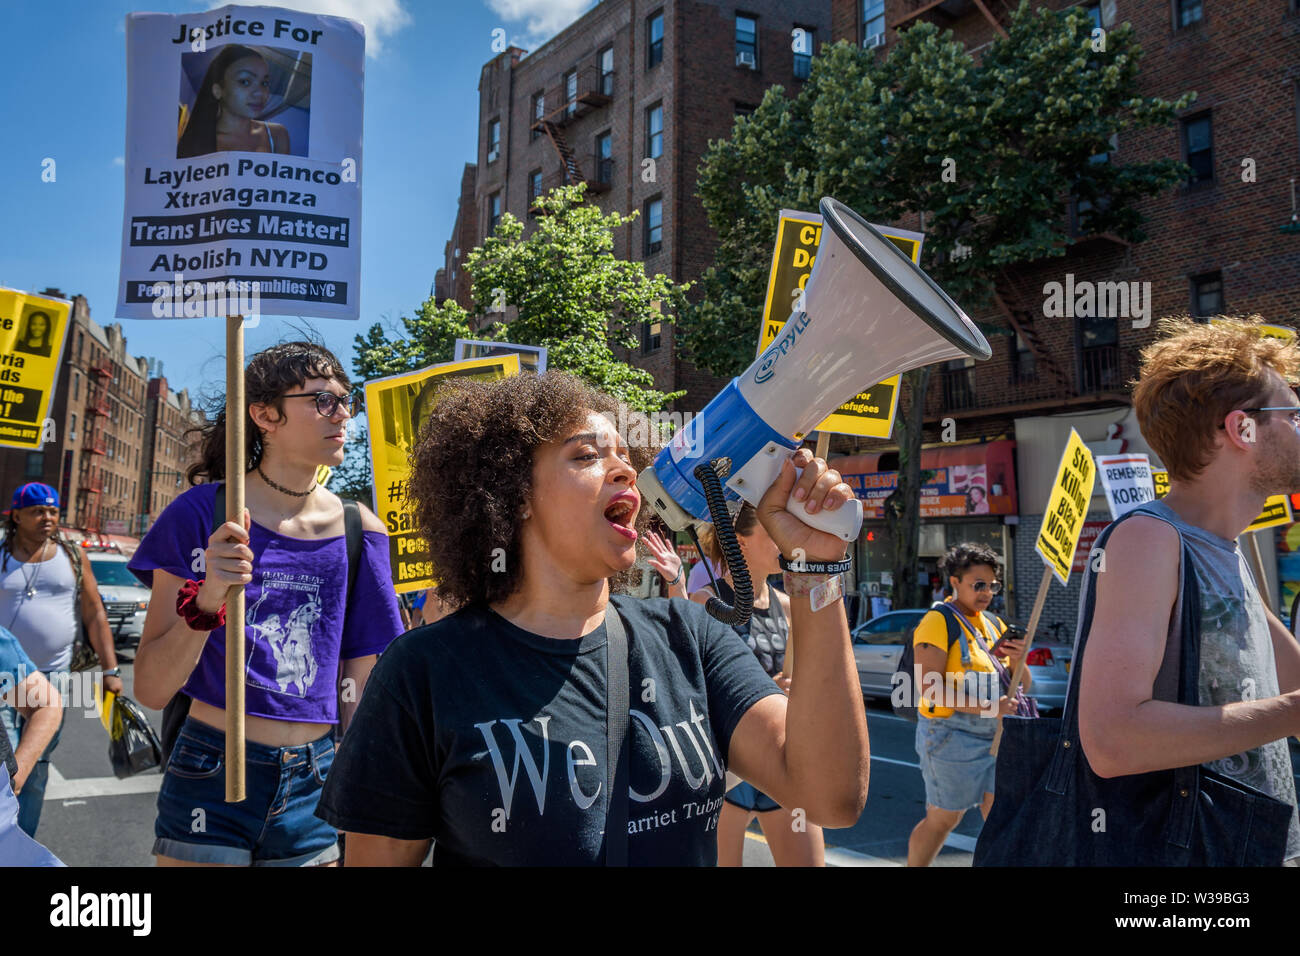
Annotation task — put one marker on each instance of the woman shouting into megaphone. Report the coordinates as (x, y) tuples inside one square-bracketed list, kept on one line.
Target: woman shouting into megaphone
[(495, 733)]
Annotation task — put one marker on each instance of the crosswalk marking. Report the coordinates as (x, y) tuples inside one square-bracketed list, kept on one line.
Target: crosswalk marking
[(61, 788)]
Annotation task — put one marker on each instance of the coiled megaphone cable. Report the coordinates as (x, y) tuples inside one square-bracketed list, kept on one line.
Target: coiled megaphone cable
[(709, 476)]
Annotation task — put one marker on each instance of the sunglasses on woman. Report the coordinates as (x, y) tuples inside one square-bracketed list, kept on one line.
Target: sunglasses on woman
[(979, 587), (327, 403)]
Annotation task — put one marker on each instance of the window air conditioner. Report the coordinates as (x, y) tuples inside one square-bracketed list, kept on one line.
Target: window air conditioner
[(745, 58), (873, 41)]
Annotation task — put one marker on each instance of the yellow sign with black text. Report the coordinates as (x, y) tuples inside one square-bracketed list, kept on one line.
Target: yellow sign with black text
[(1277, 508), (1067, 508), (32, 330), (870, 413), (396, 409)]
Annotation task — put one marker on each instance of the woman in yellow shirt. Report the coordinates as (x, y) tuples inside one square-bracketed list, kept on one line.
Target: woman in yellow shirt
[(961, 700)]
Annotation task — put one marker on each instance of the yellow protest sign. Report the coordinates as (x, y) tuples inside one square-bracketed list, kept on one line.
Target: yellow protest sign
[(396, 408), (1067, 508), (1277, 508), (870, 413), (1268, 331), (32, 330)]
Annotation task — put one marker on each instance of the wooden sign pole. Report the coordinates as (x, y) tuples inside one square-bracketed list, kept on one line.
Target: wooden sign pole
[(236, 462), (1030, 629)]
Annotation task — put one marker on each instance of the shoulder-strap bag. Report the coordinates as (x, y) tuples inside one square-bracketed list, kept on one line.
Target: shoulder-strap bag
[(617, 747), (1050, 809), (1025, 706)]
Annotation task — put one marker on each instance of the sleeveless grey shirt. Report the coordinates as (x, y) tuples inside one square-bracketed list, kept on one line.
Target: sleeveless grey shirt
[(1237, 660), (46, 623)]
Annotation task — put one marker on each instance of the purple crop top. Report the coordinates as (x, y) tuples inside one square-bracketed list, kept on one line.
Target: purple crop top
[(295, 628)]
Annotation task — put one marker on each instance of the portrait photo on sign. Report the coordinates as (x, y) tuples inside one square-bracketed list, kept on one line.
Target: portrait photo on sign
[(35, 332), (252, 99)]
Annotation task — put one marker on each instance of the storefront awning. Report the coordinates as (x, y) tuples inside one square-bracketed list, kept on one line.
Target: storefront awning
[(973, 479)]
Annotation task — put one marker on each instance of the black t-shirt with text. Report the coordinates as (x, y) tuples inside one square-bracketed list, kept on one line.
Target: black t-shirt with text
[(491, 739)]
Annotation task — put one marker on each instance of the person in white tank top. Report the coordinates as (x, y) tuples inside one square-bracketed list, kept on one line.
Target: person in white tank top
[(40, 605)]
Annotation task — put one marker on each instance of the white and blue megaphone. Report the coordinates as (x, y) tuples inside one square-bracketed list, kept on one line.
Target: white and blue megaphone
[(868, 312)]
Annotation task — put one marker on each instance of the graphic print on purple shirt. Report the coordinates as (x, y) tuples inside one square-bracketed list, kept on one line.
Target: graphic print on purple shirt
[(296, 631)]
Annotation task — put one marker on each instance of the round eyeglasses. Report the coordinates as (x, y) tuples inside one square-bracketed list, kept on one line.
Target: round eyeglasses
[(327, 403)]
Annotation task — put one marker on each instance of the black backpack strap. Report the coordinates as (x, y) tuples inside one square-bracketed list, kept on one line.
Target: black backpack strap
[(352, 531), (617, 749), (7, 755)]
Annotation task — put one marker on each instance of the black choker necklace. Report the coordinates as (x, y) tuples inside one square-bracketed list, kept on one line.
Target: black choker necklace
[(296, 494)]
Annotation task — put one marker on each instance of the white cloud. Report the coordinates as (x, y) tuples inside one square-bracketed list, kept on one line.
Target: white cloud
[(382, 18), (544, 18), (119, 161)]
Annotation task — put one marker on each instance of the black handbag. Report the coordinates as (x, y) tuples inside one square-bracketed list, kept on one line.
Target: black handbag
[(1050, 809), (133, 747)]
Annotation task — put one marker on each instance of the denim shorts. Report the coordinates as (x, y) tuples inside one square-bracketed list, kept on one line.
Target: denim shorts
[(275, 825), (955, 761), (748, 797)]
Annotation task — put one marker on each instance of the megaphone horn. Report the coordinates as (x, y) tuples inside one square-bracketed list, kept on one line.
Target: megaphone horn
[(869, 312)]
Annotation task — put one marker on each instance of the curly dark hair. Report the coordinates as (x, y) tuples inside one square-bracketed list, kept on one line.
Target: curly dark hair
[(270, 374), (962, 557), (472, 466)]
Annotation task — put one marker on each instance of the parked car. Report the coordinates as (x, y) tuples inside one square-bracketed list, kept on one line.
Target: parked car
[(125, 600), (878, 644)]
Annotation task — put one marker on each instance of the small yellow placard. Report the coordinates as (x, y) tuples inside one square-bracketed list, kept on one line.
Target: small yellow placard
[(1067, 508)]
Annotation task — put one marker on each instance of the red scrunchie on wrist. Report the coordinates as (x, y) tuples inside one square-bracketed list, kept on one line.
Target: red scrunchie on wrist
[(188, 608)]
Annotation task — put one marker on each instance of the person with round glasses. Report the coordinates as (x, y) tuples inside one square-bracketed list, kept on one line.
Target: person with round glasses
[(311, 638), (960, 649)]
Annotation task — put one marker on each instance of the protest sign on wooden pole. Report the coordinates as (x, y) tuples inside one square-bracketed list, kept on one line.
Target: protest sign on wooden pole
[(1067, 507), (236, 462)]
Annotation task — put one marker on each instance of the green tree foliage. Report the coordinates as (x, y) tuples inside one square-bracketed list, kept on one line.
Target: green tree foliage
[(988, 152), (561, 287)]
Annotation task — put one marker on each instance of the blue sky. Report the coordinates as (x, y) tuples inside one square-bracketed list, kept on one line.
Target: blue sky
[(64, 95)]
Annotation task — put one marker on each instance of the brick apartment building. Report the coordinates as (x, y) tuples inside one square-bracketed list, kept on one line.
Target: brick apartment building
[(626, 99), (1213, 246), (116, 431)]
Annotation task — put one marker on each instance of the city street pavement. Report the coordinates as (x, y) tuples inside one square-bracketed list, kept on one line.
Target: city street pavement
[(93, 819)]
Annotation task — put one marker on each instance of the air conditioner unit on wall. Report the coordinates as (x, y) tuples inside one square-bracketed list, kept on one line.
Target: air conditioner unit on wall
[(493, 154), (875, 40), (745, 58)]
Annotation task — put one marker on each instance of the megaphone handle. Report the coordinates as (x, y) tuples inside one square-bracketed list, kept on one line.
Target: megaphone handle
[(844, 522)]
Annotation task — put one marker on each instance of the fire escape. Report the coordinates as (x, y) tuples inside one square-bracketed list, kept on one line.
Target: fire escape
[(90, 483), (578, 93)]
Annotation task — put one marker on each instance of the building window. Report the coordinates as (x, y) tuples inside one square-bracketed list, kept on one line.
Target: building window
[(1094, 14), (1187, 12), (35, 464), (873, 23), (76, 386), (1024, 365), (571, 92), (539, 111), (1098, 353), (494, 140), (746, 41), (494, 211), (654, 29), (1198, 148), (803, 52), (534, 185), (607, 71), (604, 158), (1207, 295), (958, 384), (654, 225), (651, 337), (654, 131), (72, 432), (744, 109)]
